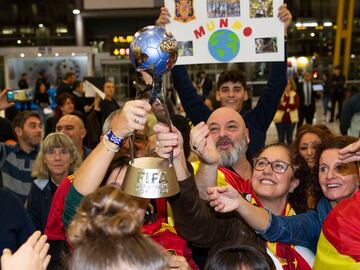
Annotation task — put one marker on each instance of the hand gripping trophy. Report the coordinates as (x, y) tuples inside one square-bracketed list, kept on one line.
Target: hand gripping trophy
[(155, 51)]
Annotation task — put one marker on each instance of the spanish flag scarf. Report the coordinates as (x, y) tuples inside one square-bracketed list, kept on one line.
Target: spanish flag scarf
[(339, 243), (289, 258)]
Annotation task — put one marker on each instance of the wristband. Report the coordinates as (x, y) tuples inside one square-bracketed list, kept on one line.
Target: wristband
[(110, 136)]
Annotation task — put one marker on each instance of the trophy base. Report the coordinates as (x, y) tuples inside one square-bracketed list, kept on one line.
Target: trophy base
[(151, 178)]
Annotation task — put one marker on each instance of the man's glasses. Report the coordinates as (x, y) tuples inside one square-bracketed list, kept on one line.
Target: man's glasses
[(277, 166)]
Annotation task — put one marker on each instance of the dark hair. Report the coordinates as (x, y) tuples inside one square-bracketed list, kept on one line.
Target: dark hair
[(231, 76), (107, 81), (77, 84), (336, 142), (105, 234), (20, 119), (296, 199), (325, 129), (61, 100), (68, 75), (235, 256), (120, 160), (309, 175), (320, 130)]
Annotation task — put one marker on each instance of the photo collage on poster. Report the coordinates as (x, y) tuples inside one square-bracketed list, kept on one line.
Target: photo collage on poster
[(215, 31)]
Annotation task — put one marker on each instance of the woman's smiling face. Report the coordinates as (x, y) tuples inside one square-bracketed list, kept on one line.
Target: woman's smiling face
[(337, 180)]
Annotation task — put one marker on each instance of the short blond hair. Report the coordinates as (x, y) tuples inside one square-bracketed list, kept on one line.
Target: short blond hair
[(55, 140)]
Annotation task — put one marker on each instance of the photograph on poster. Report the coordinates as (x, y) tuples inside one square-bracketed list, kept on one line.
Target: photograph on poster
[(261, 8), (185, 48), (224, 31), (266, 45), (223, 8)]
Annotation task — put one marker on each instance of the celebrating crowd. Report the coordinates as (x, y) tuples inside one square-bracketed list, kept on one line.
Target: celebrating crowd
[(242, 204)]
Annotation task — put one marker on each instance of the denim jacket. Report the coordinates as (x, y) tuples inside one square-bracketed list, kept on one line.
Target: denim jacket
[(300, 230)]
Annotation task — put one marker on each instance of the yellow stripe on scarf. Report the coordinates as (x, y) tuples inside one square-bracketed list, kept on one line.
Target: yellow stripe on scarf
[(328, 258), (289, 211), (166, 227), (221, 182)]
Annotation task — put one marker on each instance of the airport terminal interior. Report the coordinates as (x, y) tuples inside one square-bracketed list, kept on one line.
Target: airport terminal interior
[(180, 134)]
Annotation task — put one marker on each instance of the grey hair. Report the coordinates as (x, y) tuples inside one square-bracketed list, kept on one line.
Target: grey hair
[(55, 140)]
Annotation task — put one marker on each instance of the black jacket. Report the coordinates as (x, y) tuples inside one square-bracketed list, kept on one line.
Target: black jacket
[(39, 202)]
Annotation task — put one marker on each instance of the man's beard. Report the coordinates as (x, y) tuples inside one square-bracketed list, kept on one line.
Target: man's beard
[(31, 141), (229, 159)]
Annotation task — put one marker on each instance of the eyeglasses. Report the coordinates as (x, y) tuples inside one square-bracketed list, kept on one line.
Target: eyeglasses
[(277, 166)]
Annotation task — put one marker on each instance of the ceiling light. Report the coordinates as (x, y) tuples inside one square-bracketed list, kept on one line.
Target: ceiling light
[(327, 24), (310, 24), (41, 25), (76, 11), (18, 41)]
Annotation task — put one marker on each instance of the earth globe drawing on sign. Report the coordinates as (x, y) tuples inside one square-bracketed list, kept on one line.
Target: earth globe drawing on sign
[(224, 45)]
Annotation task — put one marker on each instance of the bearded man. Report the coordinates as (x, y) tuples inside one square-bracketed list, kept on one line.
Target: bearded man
[(226, 131), (16, 160)]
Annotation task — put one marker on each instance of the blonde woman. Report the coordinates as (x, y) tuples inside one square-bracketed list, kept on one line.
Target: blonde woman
[(56, 159), (287, 114)]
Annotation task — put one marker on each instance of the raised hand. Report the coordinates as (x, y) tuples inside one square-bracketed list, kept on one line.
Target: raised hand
[(167, 140), (285, 16), (224, 199), (350, 153), (31, 255), (164, 17), (203, 145), (4, 104), (132, 117)]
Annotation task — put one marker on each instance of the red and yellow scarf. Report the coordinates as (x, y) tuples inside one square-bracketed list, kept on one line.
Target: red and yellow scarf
[(339, 243), (289, 258)]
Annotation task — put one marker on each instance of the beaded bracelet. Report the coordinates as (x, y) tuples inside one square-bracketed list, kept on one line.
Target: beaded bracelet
[(108, 147)]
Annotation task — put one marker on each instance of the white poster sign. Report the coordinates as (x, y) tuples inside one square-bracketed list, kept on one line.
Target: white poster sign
[(217, 31), (91, 90)]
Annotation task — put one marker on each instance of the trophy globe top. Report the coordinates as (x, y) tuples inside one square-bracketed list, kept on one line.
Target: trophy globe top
[(153, 49)]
